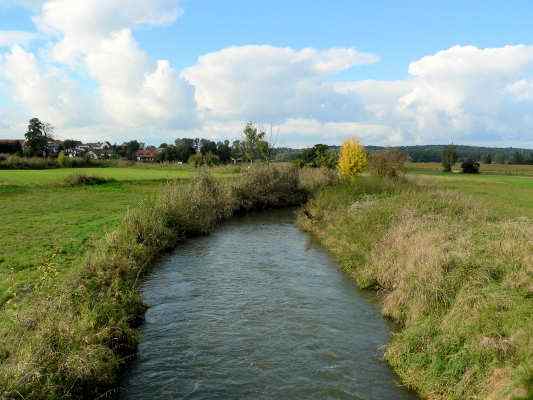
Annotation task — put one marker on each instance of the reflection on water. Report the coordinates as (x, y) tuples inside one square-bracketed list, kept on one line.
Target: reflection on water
[(255, 311)]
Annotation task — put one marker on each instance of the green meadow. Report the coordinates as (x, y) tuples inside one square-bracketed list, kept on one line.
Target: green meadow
[(47, 222)]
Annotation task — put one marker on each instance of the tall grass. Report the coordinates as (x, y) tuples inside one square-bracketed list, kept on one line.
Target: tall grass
[(456, 278), (70, 338), (16, 162)]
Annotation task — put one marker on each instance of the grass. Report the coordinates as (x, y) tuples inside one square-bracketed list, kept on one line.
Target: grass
[(70, 324), (496, 169), (452, 260)]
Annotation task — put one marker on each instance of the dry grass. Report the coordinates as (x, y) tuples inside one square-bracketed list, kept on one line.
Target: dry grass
[(456, 278)]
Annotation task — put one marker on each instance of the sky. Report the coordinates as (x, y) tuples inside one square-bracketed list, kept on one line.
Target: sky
[(387, 72)]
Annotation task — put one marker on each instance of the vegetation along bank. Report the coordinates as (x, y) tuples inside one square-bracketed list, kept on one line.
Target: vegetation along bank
[(452, 267), (71, 337)]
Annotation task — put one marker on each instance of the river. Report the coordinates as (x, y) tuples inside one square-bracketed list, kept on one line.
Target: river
[(258, 311)]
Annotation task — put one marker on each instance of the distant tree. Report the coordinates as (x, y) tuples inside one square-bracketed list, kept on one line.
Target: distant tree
[(319, 156), (500, 158), (254, 145), (207, 146), (131, 149), (487, 158), (168, 153), (517, 158), (387, 163), (352, 159), (36, 137), (224, 151), (70, 144), (237, 152), (470, 166), (449, 158), (185, 148)]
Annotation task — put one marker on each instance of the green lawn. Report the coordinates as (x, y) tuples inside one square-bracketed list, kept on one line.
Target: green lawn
[(507, 195), (46, 224), (56, 176)]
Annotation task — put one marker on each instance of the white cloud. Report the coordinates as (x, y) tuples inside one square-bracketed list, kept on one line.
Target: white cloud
[(273, 83), (461, 94), (11, 38), (44, 91), (81, 25)]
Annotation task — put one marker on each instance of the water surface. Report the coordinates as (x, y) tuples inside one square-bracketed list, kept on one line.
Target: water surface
[(257, 311)]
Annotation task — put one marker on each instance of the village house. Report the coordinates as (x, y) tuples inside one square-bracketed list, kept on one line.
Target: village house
[(146, 155)]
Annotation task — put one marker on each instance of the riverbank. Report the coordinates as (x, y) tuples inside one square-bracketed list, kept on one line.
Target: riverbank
[(451, 270), (70, 337)]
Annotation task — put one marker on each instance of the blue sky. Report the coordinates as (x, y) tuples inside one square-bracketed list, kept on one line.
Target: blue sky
[(458, 52)]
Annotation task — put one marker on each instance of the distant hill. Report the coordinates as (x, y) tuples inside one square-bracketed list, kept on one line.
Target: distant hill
[(432, 153)]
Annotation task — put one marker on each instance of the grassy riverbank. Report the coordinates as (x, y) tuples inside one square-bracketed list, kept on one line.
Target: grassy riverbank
[(68, 335), (453, 266)]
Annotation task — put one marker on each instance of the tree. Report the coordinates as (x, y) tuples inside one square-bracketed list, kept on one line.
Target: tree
[(353, 159), (387, 163), (449, 158), (131, 149), (36, 137), (207, 146), (255, 146), (320, 156), (185, 148), (224, 151), (487, 158), (70, 144)]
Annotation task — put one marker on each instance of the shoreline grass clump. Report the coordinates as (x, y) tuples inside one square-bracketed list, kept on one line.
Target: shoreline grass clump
[(70, 337), (86, 180), (454, 275)]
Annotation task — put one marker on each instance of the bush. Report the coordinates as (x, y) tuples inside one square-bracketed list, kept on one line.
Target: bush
[(80, 179), (387, 163), (352, 159), (268, 187), (470, 167)]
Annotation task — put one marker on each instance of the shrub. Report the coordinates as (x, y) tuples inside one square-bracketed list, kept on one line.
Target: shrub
[(80, 179), (470, 167), (387, 163), (353, 159), (268, 187), (312, 179)]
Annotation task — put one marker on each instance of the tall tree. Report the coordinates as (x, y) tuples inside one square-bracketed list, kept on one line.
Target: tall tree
[(131, 149), (255, 146), (449, 158), (36, 137)]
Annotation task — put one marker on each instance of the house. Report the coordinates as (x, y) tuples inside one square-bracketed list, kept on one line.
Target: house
[(54, 147), (146, 155)]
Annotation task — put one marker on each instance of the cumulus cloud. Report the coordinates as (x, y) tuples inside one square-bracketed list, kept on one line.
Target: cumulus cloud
[(462, 94), (273, 83), (82, 25), (44, 90)]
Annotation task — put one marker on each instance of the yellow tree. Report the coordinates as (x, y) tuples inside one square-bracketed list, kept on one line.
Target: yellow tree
[(352, 159)]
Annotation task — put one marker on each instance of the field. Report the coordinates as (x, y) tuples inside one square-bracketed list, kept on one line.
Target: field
[(449, 253), (47, 223), (497, 169), (451, 258)]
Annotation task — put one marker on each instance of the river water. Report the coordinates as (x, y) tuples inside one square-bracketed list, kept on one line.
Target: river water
[(257, 311)]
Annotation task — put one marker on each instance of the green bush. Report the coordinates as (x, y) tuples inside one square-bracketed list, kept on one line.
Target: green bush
[(80, 179)]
